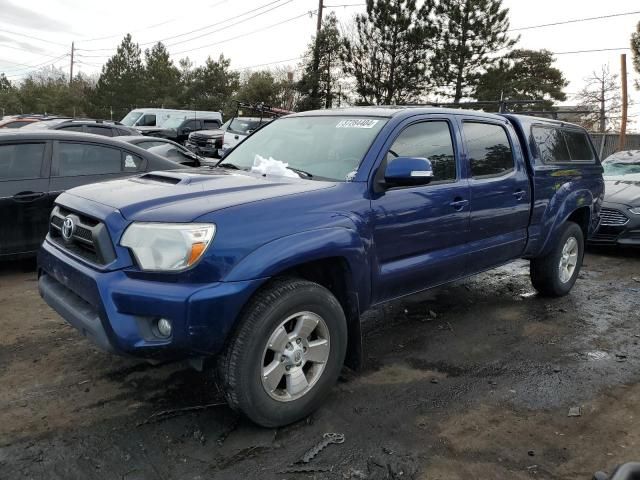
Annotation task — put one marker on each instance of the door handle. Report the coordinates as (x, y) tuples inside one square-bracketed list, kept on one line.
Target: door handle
[(27, 196), (459, 203), (519, 194)]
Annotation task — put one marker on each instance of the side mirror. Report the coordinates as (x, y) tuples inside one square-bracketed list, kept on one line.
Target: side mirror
[(186, 130), (408, 171)]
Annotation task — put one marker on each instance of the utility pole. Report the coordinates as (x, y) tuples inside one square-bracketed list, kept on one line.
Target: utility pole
[(316, 57), (71, 65), (625, 102), (603, 93)]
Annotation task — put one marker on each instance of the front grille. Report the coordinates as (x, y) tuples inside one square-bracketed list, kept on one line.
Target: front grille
[(612, 217), (89, 239)]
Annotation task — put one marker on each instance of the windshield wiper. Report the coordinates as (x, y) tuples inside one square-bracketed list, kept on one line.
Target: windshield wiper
[(300, 172), (228, 165)]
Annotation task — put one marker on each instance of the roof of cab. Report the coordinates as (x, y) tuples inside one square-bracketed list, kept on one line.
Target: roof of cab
[(390, 111)]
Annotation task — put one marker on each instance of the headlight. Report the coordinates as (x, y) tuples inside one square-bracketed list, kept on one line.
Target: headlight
[(635, 210), (168, 246)]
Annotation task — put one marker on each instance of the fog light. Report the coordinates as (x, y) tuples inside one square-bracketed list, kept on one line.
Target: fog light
[(164, 327)]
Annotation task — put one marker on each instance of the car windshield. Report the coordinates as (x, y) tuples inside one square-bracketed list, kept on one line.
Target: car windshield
[(131, 118), (245, 125), (173, 122), (624, 165), (323, 147)]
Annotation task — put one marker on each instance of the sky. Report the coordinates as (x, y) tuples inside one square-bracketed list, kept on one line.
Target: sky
[(36, 33)]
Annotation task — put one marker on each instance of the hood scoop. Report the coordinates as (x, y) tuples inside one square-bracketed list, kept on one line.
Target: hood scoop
[(156, 177)]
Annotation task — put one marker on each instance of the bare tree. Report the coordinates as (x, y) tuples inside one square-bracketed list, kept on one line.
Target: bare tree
[(601, 93)]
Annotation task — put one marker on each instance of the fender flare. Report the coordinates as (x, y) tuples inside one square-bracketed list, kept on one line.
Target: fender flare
[(564, 203)]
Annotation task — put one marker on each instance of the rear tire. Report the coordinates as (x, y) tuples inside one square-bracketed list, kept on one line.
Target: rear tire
[(286, 354), (555, 274)]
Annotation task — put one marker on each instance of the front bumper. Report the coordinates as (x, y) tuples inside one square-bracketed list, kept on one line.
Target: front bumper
[(209, 151), (616, 232), (115, 310)]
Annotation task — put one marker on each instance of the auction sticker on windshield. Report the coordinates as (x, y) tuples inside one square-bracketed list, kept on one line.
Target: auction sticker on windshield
[(357, 123)]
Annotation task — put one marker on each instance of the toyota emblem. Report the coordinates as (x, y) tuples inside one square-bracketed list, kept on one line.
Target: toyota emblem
[(68, 227)]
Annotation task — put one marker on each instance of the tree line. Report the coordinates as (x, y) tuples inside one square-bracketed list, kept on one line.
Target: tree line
[(396, 52)]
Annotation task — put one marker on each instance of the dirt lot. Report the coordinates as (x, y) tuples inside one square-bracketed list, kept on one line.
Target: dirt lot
[(474, 381)]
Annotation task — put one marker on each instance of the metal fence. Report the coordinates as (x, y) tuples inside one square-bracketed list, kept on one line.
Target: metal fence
[(607, 143)]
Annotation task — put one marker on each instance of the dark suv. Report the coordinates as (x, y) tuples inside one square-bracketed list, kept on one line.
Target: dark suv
[(36, 166), (178, 129), (97, 127)]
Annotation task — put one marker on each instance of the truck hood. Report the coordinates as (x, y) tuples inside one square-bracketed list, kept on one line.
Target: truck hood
[(621, 190), (179, 196)]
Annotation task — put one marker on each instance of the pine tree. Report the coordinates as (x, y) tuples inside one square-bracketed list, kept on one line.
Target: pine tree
[(470, 33), (259, 87), (161, 77), (523, 75), (635, 51), (212, 86), (121, 82), (318, 89), (389, 51)]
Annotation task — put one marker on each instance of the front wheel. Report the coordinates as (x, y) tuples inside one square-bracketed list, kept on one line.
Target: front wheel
[(286, 353), (555, 274)]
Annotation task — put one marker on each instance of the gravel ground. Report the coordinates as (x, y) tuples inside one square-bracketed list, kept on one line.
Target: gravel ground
[(475, 380)]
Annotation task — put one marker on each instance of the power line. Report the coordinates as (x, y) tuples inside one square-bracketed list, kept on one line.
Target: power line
[(576, 20), (269, 63), (144, 28), (14, 72), (34, 68), (253, 32), (591, 51), (25, 50), (32, 37), (207, 26)]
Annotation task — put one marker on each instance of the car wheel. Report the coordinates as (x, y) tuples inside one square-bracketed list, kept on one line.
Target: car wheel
[(286, 353), (555, 274)]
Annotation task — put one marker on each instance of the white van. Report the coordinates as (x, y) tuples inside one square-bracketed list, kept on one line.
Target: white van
[(156, 117)]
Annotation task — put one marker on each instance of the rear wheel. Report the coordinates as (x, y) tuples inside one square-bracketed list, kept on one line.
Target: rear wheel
[(286, 353), (555, 274)]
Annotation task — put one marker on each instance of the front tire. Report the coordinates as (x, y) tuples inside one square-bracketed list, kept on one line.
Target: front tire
[(286, 354), (555, 274)]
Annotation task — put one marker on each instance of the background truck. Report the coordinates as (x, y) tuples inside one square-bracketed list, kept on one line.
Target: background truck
[(267, 261)]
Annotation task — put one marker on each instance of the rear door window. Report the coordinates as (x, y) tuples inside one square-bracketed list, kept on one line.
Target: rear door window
[(488, 149), (76, 159), (19, 161)]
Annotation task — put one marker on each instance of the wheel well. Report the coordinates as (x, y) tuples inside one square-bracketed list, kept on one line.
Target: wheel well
[(581, 216), (335, 275)]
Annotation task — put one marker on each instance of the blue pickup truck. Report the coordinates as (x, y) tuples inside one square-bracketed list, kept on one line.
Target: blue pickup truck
[(266, 261)]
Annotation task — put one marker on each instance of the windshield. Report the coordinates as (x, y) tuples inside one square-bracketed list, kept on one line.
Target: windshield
[(173, 122), (623, 164), (245, 125), (130, 119), (324, 147)]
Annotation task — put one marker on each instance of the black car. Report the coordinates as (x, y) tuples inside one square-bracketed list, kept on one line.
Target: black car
[(165, 148), (178, 129), (97, 127), (620, 215), (37, 165)]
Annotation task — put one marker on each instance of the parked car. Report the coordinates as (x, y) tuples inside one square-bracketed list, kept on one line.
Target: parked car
[(268, 260), (156, 117), (165, 148), (97, 127), (239, 128), (36, 166), (179, 128), (620, 218), (17, 121), (207, 143)]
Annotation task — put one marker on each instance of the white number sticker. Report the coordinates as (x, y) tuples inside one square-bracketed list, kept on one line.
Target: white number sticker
[(357, 123)]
